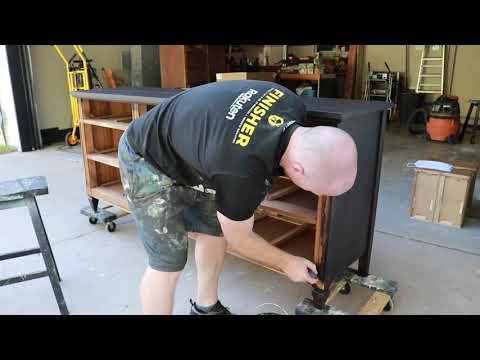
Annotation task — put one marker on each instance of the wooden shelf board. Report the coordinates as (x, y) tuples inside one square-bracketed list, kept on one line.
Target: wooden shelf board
[(111, 194), (127, 118), (300, 205), (281, 187), (270, 229), (288, 76), (113, 123), (109, 158), (303, 245)]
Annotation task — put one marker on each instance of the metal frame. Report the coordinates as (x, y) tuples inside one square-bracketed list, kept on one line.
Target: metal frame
[(44, 248)]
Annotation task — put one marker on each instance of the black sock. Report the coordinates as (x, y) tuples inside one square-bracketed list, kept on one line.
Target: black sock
[(205, 309)]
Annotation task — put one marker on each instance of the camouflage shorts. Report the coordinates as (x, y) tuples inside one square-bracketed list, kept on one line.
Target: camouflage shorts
[(164, 211)]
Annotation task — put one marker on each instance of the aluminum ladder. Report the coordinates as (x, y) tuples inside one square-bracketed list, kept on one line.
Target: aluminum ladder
[(429, 62)]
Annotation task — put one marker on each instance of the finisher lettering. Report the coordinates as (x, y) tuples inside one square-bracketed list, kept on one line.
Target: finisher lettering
[(253, 118)]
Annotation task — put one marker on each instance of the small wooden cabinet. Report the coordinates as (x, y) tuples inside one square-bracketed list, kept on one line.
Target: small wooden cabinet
[(184, 66), (333, 232), (443, 197)]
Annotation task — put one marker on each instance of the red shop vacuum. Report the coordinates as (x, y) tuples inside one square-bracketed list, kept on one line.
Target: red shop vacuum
[(442, 122)]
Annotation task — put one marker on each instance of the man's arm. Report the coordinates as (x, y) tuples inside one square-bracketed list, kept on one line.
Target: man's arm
[(241, 238)]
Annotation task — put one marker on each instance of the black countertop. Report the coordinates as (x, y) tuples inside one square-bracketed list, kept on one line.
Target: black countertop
[(316, 107), (145, 95)]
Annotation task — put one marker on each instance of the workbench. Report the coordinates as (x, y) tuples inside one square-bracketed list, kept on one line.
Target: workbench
[(333, 232)]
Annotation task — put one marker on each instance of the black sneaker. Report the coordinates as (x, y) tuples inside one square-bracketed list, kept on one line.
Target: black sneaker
[(217, 309)]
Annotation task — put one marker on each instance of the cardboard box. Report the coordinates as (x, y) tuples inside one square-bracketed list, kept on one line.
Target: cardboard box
[(443, 197), (261, 75)]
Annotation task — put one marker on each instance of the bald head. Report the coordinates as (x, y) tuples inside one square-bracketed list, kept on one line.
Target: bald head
[(321, 159)]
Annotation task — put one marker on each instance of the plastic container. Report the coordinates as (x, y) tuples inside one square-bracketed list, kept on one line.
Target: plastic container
[(309, 92)]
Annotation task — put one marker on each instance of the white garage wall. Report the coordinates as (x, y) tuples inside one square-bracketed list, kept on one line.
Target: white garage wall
[(7, 103)]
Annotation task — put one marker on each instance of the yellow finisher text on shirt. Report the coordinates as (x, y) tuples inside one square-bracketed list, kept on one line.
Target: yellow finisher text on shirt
[(255, 116)]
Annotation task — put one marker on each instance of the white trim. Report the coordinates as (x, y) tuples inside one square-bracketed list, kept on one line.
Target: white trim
[(7, 102)]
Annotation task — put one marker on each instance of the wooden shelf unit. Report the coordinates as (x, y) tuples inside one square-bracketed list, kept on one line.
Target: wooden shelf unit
[(332, 232)]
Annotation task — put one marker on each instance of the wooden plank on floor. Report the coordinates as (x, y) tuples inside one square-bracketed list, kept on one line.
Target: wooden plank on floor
[(339, 286), (375, 304)]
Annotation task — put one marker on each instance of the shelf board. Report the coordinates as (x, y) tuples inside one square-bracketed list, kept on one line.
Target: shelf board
[(281, 187), (288, 76), (109, 158), (112, 194), (113, 123), (300, 205), (303, 246)]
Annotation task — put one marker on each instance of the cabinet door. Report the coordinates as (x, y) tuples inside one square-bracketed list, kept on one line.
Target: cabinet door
[(452, 200), (424, 195)]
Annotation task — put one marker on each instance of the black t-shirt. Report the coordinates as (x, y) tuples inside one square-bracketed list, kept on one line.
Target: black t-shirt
[(228, 136)]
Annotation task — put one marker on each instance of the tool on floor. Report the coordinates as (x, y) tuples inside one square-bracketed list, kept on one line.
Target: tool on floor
[(443, 122), (23, 192), (439, 123), (429, 62), (81, 75)]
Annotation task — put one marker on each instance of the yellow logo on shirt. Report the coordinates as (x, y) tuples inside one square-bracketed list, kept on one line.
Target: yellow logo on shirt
[(248, 125), (275, 120)]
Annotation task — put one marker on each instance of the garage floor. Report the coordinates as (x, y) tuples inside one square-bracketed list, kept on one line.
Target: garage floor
[(437, 267)]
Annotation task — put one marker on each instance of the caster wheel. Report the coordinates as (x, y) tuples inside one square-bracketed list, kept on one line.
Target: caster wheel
[(92, 220), (389, 306), (346, 289), (71, 139), (111, 226)]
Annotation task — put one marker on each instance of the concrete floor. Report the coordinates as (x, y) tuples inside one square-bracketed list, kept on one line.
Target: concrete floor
[(437, 267)]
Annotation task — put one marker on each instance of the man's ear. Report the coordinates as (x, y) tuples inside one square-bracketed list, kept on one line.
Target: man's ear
[(297, 169)]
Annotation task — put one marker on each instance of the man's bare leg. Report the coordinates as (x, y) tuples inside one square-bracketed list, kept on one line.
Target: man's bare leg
[(209, 257), (157, 291)]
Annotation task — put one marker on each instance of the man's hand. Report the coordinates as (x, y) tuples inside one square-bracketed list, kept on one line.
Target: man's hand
[(243, 240), (297, 270)]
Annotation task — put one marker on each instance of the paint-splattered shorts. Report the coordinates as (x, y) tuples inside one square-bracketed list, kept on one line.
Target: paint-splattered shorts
[(164, 211)]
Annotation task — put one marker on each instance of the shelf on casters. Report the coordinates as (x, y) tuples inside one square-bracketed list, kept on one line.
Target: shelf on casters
[(110, 158), (120, 123), (112, 194)]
